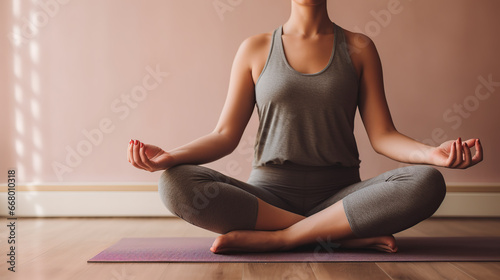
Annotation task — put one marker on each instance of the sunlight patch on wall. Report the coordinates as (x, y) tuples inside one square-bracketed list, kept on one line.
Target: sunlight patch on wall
[(16, 8), (37, 137), (19, 121), (17, 65), (37, 162), (16, 30), (19, 147), (35, 109), (35, 82), (34, 52), (18, 93)]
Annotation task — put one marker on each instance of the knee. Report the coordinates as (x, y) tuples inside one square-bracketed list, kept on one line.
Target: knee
[(172, 179), (176, 174), (430, 187), (175, 185)]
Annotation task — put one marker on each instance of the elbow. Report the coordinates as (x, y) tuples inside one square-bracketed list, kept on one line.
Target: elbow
[(227, 141), (380, 141), (377, 148), (376, 141)]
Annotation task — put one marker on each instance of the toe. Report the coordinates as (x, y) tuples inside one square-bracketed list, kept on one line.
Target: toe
[(216, 245)]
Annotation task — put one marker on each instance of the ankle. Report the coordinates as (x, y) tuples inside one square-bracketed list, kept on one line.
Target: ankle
[(286, 239)]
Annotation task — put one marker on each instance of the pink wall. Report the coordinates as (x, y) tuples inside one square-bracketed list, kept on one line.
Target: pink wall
[(86, 67)]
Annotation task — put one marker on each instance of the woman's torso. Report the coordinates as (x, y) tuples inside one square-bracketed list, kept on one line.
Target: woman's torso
[(306, 95)]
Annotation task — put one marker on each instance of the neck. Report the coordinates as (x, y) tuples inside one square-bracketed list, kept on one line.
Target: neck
[(308, 18)]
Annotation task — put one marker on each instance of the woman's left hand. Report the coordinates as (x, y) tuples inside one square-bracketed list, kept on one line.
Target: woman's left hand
[(457, 154)]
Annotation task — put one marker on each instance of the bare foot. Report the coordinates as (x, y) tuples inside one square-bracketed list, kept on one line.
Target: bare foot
[(249, 241), (381, 243), (264, 241)]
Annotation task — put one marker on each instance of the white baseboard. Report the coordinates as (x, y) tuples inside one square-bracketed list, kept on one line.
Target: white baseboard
[(470, 204), (87, 204), (148, 204)]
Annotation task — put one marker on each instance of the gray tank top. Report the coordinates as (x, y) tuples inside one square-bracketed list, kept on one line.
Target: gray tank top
[(307, 119)]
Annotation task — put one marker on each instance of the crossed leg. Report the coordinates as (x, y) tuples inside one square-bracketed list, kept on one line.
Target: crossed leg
[(363, 215), (278, 229)]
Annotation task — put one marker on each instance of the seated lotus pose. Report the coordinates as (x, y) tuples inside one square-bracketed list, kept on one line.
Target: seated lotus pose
[(306, 79)]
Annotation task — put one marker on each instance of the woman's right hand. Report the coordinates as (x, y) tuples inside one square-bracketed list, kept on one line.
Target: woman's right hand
[(148, 157)]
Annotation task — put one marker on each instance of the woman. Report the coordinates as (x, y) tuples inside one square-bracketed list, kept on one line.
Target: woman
[(306, 78)]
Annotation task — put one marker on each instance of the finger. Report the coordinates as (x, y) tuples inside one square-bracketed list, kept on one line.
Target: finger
[(144, 158), (452, 156), (459, 153), (133, 161), (131, 153), (478, 156), (460, 149), (467, 157), (470, 142), (128, 150), (135, 154)]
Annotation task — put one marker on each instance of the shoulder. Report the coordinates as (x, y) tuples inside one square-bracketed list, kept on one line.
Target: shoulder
[(258, 39), (358, 43), (362, 50), (253, 51), (256, 44)]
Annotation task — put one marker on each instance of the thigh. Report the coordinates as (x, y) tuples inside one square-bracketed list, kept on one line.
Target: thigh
[(401, 177), (392, 201), (208, 183)]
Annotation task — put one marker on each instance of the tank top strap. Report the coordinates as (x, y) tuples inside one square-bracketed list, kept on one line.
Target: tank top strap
[(274, 55), (343, 53), (277, 50), (277, 36)]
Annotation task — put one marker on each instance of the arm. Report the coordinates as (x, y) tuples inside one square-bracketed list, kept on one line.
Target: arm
[(384, 137), (223, 139)]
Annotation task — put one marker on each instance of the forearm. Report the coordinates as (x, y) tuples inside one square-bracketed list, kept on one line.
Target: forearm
[(205, 149), (402, 148)]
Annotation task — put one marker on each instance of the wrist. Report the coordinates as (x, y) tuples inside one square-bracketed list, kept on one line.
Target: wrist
[(423, 155), (429, 153), (173, 159)]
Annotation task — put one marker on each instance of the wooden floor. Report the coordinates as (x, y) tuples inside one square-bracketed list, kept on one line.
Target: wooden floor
[(58, 248)]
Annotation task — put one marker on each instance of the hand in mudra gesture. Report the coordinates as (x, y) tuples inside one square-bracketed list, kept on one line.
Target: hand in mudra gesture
[(148, 157), (457, 154)]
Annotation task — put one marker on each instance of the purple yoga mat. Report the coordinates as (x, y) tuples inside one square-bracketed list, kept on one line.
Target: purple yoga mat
[(411, 249)]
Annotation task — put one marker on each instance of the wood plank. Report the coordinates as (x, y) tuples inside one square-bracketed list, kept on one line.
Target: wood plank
[(40, 235), (345, 271), (262, 271), (122, 271), (203, 271), (482, 270), (422, 270)]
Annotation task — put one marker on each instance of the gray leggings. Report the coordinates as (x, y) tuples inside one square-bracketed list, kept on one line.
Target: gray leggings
[(383, 205)]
